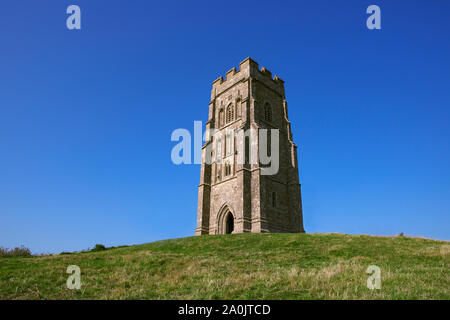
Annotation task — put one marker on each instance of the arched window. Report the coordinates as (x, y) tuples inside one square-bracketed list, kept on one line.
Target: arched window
[(219, 148), (230, 113), (268, 112), (247, 150), (228, 143), (221, 117), (218, 171), (227, 168)]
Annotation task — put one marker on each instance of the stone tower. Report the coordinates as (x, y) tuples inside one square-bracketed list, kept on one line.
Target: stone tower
[(234, 196)]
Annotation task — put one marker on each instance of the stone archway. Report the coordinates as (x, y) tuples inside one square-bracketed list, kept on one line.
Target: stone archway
[(225, 220)]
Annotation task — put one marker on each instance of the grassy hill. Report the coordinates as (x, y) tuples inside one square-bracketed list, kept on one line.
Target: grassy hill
[(242, 266)]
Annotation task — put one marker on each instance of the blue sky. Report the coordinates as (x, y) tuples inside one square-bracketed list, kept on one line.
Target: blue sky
[(86, 115)]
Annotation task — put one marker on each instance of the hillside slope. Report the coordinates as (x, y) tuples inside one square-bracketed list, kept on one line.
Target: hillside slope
[(242, 266)]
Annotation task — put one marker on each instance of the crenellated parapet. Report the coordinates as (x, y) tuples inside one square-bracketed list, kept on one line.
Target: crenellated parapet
[(247, 68)]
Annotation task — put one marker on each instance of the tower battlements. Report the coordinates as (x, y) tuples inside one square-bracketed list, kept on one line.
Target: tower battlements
[(247, 68)]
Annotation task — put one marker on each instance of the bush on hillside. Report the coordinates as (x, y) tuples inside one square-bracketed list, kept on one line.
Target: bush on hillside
[(15, 252), (99, 247)]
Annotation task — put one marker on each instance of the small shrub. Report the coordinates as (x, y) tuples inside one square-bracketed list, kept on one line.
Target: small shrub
[(99, 247), (15, 252)]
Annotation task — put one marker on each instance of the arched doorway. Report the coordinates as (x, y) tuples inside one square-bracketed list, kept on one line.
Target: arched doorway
[(225, 220), (229, 223)]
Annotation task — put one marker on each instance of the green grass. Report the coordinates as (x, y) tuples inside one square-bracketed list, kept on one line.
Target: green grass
[(241, 266)]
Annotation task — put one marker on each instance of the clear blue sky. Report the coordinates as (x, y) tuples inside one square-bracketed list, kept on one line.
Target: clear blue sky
[(86, 116)]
